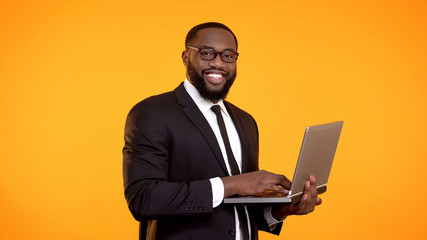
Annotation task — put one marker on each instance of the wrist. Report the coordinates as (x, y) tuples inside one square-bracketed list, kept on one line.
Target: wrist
[(230, 186), (279, 212)]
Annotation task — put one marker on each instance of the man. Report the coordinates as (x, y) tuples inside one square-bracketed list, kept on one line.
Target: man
[(186, 150)]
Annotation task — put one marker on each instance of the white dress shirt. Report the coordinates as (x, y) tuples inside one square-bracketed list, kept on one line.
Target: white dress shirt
[(216, 183)]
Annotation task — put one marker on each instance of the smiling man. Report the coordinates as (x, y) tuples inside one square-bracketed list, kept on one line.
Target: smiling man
[(186, 150), (211, 75)]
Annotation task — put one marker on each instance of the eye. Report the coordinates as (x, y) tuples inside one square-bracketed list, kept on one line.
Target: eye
[(229, 55), (207, 52)]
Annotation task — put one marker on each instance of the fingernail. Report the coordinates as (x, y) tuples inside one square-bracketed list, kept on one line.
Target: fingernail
[(308, 184)]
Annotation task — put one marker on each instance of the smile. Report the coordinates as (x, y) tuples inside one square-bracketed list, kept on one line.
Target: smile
[(215, 75)]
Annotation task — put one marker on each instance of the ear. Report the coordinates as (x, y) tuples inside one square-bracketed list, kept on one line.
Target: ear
[(185, 58)]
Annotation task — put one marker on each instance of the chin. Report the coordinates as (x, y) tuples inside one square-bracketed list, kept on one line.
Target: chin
[(214, 88)]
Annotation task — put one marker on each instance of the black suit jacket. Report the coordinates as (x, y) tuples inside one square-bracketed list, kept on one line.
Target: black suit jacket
[(169, 155)]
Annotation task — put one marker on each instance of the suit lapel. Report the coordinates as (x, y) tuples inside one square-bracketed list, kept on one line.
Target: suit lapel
[(191, 110)]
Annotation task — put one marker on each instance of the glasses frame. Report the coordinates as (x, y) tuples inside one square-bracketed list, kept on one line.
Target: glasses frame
[(215, 53)]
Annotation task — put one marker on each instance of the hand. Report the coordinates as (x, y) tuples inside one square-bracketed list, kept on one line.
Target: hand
[(307, 204), (255, 182)]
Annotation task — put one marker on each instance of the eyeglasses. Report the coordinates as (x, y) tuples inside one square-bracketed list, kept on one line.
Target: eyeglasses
[(209, 54)]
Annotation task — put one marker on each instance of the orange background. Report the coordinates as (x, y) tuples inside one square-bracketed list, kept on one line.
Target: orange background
[(71, 70)]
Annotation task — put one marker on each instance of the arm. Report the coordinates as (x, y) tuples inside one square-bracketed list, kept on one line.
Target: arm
[(148, 191), (255, 182), (260, 181)]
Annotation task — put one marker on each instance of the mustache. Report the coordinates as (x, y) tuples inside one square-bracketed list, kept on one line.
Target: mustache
[(224, 71)]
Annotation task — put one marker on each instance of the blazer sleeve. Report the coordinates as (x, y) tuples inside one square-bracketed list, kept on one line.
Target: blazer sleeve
[(148, 191), (258, 212)]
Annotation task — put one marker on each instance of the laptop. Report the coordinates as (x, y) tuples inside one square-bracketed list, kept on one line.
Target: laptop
[(315, 158)]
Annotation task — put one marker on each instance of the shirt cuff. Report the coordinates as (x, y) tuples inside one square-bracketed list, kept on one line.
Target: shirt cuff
[(271, 221), (217, 191)]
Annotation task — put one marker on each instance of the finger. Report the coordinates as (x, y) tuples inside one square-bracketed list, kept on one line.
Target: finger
[(278, 180), (312, 179), (306, 195), (307, 188), (319, 201), (278, 189), (285, 182), (313, 187), (303, 205)]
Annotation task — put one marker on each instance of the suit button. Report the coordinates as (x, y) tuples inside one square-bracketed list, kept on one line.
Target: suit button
[(232, 232), (196, 208), (191, 208), (186, 208)]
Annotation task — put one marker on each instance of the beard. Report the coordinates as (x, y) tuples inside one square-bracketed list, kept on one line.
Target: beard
[(200, 83)]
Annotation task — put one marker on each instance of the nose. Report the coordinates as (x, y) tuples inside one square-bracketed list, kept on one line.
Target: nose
[(217, 62)]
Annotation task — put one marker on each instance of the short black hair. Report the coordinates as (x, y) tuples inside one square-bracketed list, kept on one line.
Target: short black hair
[(191, 35)]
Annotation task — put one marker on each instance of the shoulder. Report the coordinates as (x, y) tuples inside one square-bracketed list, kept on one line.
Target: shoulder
[(156, 101), (165, 101), (153, 109), (240, 113)]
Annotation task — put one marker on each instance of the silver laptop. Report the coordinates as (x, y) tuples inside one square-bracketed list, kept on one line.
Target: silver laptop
[(315, 158)]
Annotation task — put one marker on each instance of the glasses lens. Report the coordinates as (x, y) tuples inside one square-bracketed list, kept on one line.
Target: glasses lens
[(207, 54), (229, 56)]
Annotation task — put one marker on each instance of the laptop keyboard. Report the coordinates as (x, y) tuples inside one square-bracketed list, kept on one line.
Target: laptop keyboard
[(270, 194)]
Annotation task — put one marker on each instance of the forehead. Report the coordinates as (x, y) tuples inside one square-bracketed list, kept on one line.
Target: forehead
[(216, 38)]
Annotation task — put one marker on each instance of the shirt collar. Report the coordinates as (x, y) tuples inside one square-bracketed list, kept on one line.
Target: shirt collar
[(203, 104)]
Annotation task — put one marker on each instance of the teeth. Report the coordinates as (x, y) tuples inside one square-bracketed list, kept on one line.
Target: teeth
[(215, 75)]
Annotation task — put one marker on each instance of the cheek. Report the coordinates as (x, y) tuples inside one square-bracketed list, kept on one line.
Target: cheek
[(199, 65), (232, 68)]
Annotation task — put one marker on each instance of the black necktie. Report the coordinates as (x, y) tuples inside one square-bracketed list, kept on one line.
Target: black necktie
[(234, 168), (231, 160)]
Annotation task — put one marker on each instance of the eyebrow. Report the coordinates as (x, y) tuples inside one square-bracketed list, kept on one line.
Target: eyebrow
[(227, 49)]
